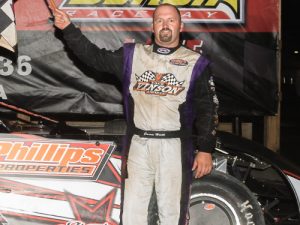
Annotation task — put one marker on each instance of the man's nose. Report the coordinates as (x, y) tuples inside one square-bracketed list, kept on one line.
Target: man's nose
[(165, 24)]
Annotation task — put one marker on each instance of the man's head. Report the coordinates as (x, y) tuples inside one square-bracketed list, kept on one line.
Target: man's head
[(167, 25)]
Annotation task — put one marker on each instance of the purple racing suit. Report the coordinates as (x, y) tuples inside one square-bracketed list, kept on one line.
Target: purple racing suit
[(169, 96)]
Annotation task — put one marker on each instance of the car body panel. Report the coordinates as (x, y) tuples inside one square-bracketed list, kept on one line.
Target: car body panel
[(50, 180), (58, 181)]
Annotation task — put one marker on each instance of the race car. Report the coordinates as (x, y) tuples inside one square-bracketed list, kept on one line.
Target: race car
[(48, 179)]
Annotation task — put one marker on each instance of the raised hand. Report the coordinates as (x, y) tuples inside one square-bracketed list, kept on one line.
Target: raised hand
[(61, 19)]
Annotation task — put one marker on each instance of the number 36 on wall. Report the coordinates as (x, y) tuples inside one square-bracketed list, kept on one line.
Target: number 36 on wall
[(23, 66)]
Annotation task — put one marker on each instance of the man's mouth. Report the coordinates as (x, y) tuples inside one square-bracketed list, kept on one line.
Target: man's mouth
[(165, 30)]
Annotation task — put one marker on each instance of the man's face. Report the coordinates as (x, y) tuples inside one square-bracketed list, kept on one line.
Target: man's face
[(167, 26)]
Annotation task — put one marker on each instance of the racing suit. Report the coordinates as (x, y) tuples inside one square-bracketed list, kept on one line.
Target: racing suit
[(166, 92)]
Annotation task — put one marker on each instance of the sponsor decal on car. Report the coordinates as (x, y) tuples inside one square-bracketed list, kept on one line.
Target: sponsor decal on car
[(53, 159), (30, 192)]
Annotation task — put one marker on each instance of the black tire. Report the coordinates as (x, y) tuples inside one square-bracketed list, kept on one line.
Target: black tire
[(220, 199)]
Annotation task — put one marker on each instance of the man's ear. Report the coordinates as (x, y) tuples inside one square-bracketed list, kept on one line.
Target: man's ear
[(152, 29), (181, 26)]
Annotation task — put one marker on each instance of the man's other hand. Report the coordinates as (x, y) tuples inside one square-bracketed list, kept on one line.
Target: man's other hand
[(202, 164)]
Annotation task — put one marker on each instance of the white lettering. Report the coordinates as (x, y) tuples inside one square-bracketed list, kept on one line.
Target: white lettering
[(167, 89), (140, 14), (210, 14), (176, 90), (148, 134), (117, 13), (186, 15), (8, 68), (2, 93), (71, 12), (245, 205), (152, 87), (249, 217), (24, 67), (157, 88), (93, 14)]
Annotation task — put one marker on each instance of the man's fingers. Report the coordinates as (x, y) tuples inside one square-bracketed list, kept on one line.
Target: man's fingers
[(199, 171), (52, 4), (202, 170), (53, 8), (59, 16), (202, 164), (194, 166), (61, 19), (56, 11)]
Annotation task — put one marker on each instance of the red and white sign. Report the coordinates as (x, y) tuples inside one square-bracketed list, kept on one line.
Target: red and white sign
[(31, 193)]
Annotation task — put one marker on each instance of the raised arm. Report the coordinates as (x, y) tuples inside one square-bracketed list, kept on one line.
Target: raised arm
[(100, 59)]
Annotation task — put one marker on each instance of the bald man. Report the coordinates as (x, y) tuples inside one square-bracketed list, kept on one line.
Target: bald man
[(167, 89)]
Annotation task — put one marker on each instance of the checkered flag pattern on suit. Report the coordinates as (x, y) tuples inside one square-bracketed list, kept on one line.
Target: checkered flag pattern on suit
[(168, 78), (146, 76), (171, 80), (8, 37)]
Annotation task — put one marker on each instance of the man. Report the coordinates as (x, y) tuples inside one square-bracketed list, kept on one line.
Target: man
[(167, 89)]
